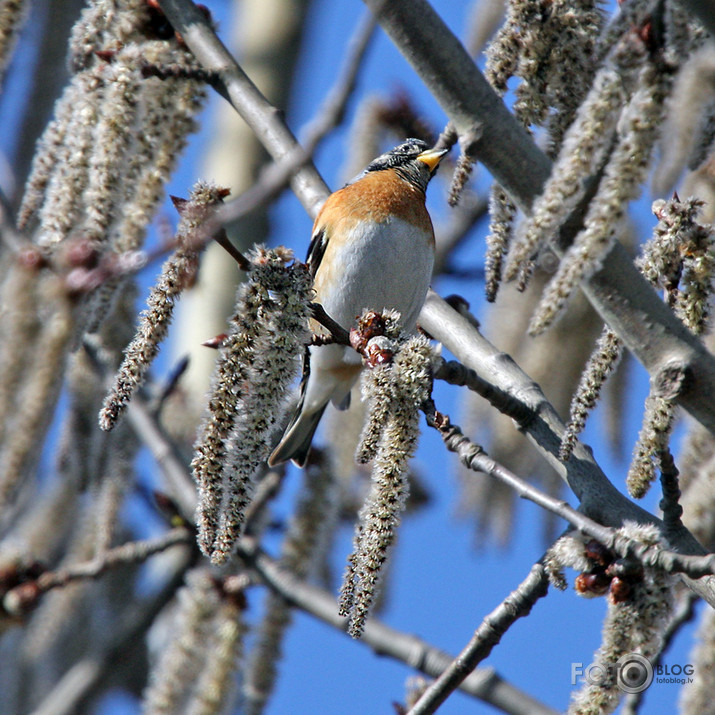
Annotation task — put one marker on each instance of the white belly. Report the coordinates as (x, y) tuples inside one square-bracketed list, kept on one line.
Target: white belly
[(388, 265)]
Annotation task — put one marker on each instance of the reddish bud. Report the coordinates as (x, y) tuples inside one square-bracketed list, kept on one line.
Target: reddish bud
[(179, 203), (620, 590), (22, 599), (592, 584), (215, 342), (596, 551), (357, 340), (106, 55), (371, 324), (81, 252), (376, 355), (31, 258)]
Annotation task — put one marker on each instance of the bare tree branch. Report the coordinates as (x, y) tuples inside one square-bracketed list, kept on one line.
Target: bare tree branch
[(598, 498), (244, 96), (21, 597), (475, 458)]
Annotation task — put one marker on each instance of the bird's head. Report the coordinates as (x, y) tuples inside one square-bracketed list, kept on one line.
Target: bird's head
[(413, 160)]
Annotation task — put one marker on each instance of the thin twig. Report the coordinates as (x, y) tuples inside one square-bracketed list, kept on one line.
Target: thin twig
[(461, 220), (133, 552), (617, 290), (598, 498), (233, 84), (338, 333), (143, 421), (221, 237), (517, 605), (670, 503), (485, 684), (476, 459)]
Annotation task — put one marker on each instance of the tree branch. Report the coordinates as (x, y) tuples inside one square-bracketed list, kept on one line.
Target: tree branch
[(485, 684), (517, 605), (233, 84), (617, 291), (476, 459)]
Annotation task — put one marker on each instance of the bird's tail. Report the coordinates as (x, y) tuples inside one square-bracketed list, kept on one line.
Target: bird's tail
[(296, 440)]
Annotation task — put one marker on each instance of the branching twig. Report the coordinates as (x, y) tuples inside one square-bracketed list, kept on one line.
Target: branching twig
[(455, 373), (24, 596), (244, 96), (275, 177), (333, 108), (475, 458), (599, 499)]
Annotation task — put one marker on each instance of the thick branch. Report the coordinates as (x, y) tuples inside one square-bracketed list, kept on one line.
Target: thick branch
[(475, 458), (598, 498), (618, 291), (263, 118)]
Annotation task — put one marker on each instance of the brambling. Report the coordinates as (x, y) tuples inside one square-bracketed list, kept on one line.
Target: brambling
[(372, 248)]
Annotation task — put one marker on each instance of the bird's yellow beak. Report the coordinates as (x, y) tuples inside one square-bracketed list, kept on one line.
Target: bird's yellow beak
[(432, 157)]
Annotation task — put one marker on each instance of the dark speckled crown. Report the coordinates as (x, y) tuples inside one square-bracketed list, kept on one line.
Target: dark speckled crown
[(402, 159), (399, 156)]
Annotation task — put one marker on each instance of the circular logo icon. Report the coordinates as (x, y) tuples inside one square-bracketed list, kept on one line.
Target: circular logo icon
[(634, 673)]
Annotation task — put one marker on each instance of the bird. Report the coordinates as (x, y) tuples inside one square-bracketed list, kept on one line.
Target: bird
[(372, 248)]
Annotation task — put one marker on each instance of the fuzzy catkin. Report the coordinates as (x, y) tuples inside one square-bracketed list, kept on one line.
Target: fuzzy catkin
[(638, 130), (600, 365), (189, 646), (257, 363), (585, 145), (390, 439), (176, 275)]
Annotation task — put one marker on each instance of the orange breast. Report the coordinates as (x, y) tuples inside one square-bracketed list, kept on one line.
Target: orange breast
[(376, 197)]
